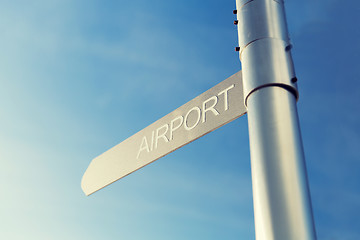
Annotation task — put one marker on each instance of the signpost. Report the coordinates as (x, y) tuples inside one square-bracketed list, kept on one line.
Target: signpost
[(205, 113), (267, 87)]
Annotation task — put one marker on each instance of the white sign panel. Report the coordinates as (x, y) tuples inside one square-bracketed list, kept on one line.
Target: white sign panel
[(205, 113)]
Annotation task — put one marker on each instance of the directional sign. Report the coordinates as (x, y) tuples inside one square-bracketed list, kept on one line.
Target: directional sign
[(205, 113)]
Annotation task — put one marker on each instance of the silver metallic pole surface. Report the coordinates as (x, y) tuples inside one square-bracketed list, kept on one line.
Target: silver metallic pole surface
[(281, 195)]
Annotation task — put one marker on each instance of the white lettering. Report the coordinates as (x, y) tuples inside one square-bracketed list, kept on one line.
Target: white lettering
[(143, 146), (225, 92), (211, 108), (173, 128), (207, 106), (197, 109), (152, 141), (163, 136)]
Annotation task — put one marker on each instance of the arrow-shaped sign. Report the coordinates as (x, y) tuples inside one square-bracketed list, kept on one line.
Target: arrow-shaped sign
[(205, 113)]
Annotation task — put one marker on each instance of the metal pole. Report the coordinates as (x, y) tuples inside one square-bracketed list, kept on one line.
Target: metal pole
[(282, 205)]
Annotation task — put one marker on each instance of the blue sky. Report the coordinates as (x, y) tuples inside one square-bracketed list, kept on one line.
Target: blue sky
[(78, 77)]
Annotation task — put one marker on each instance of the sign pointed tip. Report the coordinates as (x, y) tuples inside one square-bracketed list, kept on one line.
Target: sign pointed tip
[(86, 191), (87, 185), (84, 186)]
